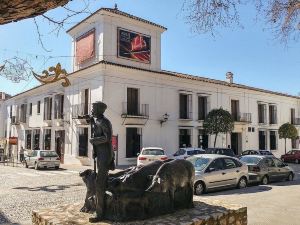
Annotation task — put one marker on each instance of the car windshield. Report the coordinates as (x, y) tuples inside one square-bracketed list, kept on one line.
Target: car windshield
[(265, 153), (153, 152), (250, 159), (193, 152), (48, 154), (199, 163)]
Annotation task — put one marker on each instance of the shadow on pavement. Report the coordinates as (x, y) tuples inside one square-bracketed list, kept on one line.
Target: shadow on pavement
[(286, 183), (48, 188), (248, 190), (4, 220)]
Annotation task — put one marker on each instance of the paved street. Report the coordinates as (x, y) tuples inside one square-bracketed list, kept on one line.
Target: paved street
[(22, 190)]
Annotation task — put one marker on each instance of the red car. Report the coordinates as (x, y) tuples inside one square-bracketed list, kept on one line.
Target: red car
[(291, 156)]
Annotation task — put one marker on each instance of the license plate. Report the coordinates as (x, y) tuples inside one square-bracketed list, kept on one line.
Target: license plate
[(151, 159), (51, 165)]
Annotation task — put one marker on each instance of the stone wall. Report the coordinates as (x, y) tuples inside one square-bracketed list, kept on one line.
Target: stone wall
[(206, 212), (15, 10)]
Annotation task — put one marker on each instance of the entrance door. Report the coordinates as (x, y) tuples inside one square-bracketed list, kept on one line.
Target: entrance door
[(60, 144), (133, 142), (236, 143), (83, 141)]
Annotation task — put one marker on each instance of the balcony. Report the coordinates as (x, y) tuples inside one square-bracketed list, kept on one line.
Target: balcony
[(296, 121), (15, 120), (242, 117), (183, 115), (135, 115), (79, 111)]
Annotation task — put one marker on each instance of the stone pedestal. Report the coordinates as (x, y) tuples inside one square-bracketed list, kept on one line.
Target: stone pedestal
[(205, 212)]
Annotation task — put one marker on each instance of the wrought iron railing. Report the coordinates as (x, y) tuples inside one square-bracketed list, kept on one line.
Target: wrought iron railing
[(137, 110)]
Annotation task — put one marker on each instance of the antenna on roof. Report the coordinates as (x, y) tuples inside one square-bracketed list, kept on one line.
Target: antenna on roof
[(116, 6)]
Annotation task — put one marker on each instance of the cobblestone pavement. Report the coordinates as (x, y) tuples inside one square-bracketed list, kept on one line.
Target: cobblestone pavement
[(22, 190)]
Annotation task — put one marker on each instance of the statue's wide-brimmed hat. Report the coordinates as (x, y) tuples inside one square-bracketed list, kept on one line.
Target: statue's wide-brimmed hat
[(99, 105)]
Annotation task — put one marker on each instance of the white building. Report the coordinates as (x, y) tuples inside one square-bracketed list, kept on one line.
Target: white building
[(118, 61)]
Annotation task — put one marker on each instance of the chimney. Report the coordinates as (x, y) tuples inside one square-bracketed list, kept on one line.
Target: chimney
[(229, 77)]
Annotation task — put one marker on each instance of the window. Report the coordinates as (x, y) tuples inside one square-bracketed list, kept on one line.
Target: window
[(185, 106), (10, 111), (133, 101), (23, 113), (293, 116), (273, 140), (185, 138), (86, 101), (59, 107), (269, 162), (30, 109), (229, 163), (262, 140), (36, 139), (273, 114), (47, 139), (38, 107), (202, 107), (261, 113), (235, 110), (28, 139), (47, 108), (294, 143), (216, 165)]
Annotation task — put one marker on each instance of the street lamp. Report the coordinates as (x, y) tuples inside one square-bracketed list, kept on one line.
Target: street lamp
[(164, 119)]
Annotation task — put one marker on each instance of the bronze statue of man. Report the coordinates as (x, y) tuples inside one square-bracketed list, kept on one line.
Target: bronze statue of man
[(101, 131)]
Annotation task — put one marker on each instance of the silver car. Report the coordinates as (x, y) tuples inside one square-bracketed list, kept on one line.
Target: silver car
[(218, 171), (42, 159)]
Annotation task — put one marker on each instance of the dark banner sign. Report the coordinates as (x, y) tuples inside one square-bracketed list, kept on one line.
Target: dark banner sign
[(134, 46)]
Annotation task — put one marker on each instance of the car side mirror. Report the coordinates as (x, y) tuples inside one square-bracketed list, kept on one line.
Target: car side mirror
[(211, 169)]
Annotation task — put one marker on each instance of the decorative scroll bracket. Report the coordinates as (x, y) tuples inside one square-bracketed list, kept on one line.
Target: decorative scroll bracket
[(53, 74)]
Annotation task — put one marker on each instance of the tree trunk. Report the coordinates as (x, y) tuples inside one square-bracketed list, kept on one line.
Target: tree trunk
[(216, 135), (285, 146)]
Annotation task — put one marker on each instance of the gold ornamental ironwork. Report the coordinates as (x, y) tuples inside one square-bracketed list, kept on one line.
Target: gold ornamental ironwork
[(53, 74)]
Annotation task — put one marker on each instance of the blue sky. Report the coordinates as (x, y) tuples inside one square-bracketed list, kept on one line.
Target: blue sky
[(252, 54)]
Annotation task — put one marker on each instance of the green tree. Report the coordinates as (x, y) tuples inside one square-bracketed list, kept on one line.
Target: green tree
[(287, 131), (218, 121)]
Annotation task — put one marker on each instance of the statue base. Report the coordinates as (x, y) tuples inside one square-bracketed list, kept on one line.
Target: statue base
[(205, 212)]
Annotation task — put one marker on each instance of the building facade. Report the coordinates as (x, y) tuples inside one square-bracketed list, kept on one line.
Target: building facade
[(118, 61)]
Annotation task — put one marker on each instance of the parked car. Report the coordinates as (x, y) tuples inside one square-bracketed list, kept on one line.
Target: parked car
[(42, 159), (291, 156), (151, 154), (184, 153), (257, 152), (265, 169), (214, 171), (220, 151)]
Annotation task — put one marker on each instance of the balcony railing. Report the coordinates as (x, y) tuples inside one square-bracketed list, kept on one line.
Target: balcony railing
[(243, 117), (186, 115), (15, 120), (58, 115), (80, 110), (142, 110), (295, 121)]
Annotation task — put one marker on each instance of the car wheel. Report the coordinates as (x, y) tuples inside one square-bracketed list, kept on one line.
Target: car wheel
[(265, 180), (242, 183), (297, 161), (36, 167), (57, 167), (290, 177), (199, 188)]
